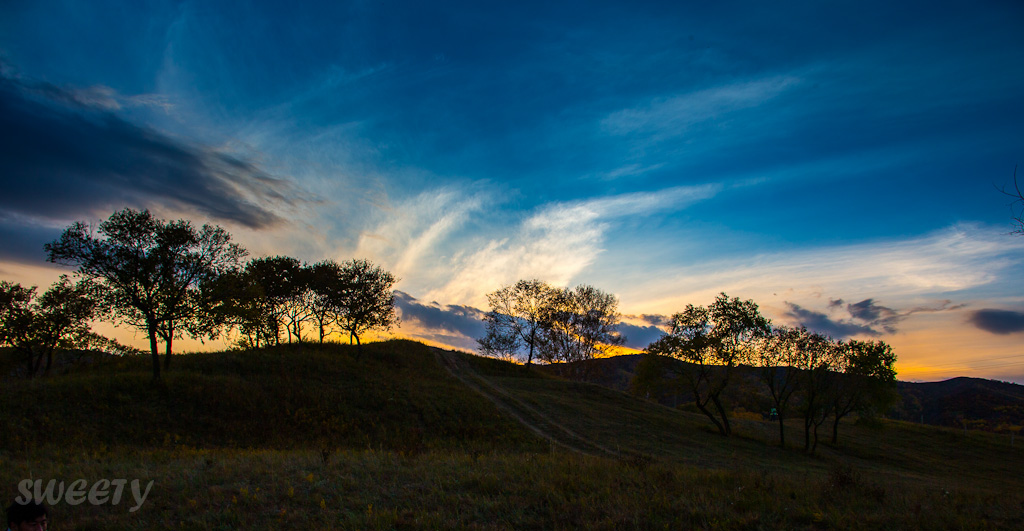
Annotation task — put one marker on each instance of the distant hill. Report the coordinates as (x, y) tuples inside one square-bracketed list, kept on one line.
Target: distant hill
[(975, 402)]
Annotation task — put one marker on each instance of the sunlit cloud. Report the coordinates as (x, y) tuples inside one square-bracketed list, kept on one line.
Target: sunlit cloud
[(555, 243), (956, 259)]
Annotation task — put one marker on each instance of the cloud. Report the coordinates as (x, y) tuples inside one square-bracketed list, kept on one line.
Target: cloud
[(876, 315), (674, 115), (998, 321), (460, 326), (66, 155), (957, 259), (639, 337), (864, 318), (24, 243), (555, 243), (822, 323), (457, 326)]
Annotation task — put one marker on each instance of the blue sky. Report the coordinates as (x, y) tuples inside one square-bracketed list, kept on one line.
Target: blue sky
[(837, 162)]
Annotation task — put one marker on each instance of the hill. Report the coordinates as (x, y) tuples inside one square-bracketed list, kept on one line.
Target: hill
[(973, 402), (405, 436), (393, 395)]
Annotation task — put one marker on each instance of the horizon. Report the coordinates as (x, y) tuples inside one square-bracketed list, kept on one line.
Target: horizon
[(838, 164)]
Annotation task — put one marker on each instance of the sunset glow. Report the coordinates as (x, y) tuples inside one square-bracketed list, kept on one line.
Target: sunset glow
[(839, 163)]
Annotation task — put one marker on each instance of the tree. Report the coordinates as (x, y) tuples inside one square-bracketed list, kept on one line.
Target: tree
[(778, 359), (324, 279), (277, 282), (239, 302), (580, 324), (519, 315), (864, 380), (151, 269), (39, 326), (711, 341), (365, 299), (817, 359)]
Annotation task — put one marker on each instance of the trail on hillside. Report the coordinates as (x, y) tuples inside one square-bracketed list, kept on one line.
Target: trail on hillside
[(522, 412)]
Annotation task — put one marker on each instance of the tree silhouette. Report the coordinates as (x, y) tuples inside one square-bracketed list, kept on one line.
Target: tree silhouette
[(711, 341), (580, 324), (864, 380), (151, 269), (277, 282), (364, 300), (818, 358), (778, 359), (37, 326), (324, 280), (519, 315)]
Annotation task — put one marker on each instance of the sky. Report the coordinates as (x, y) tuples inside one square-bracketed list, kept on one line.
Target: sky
[(840, 163)]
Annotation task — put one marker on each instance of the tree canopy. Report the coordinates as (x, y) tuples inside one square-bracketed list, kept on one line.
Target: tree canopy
[(36, 326), (151, 270), (555, 325), (711, 341)]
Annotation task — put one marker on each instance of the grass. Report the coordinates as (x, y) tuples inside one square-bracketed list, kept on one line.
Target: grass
[(316, 437)]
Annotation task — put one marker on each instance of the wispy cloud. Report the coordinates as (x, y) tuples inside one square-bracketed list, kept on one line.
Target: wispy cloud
[(555, 243), (674, 115), (956, 259), (864, 318), (409, 235)]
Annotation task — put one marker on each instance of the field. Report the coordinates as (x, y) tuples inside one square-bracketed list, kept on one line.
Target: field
[(403, 436)]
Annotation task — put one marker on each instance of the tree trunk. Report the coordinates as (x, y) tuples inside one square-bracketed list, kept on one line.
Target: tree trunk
[(49, 361), (782, 430), (835, 430), (154, 351), (725, 418), (167, 355), (33, 367), (807, 433), (707, 413)]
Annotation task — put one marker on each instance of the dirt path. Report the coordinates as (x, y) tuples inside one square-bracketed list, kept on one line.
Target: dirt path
[(522, 412)]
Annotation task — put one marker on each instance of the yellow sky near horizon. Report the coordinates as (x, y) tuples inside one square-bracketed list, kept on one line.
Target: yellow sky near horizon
[(929, 347)]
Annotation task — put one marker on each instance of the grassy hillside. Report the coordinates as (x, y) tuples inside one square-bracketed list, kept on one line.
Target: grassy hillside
[(298, 396), (410, 437)]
